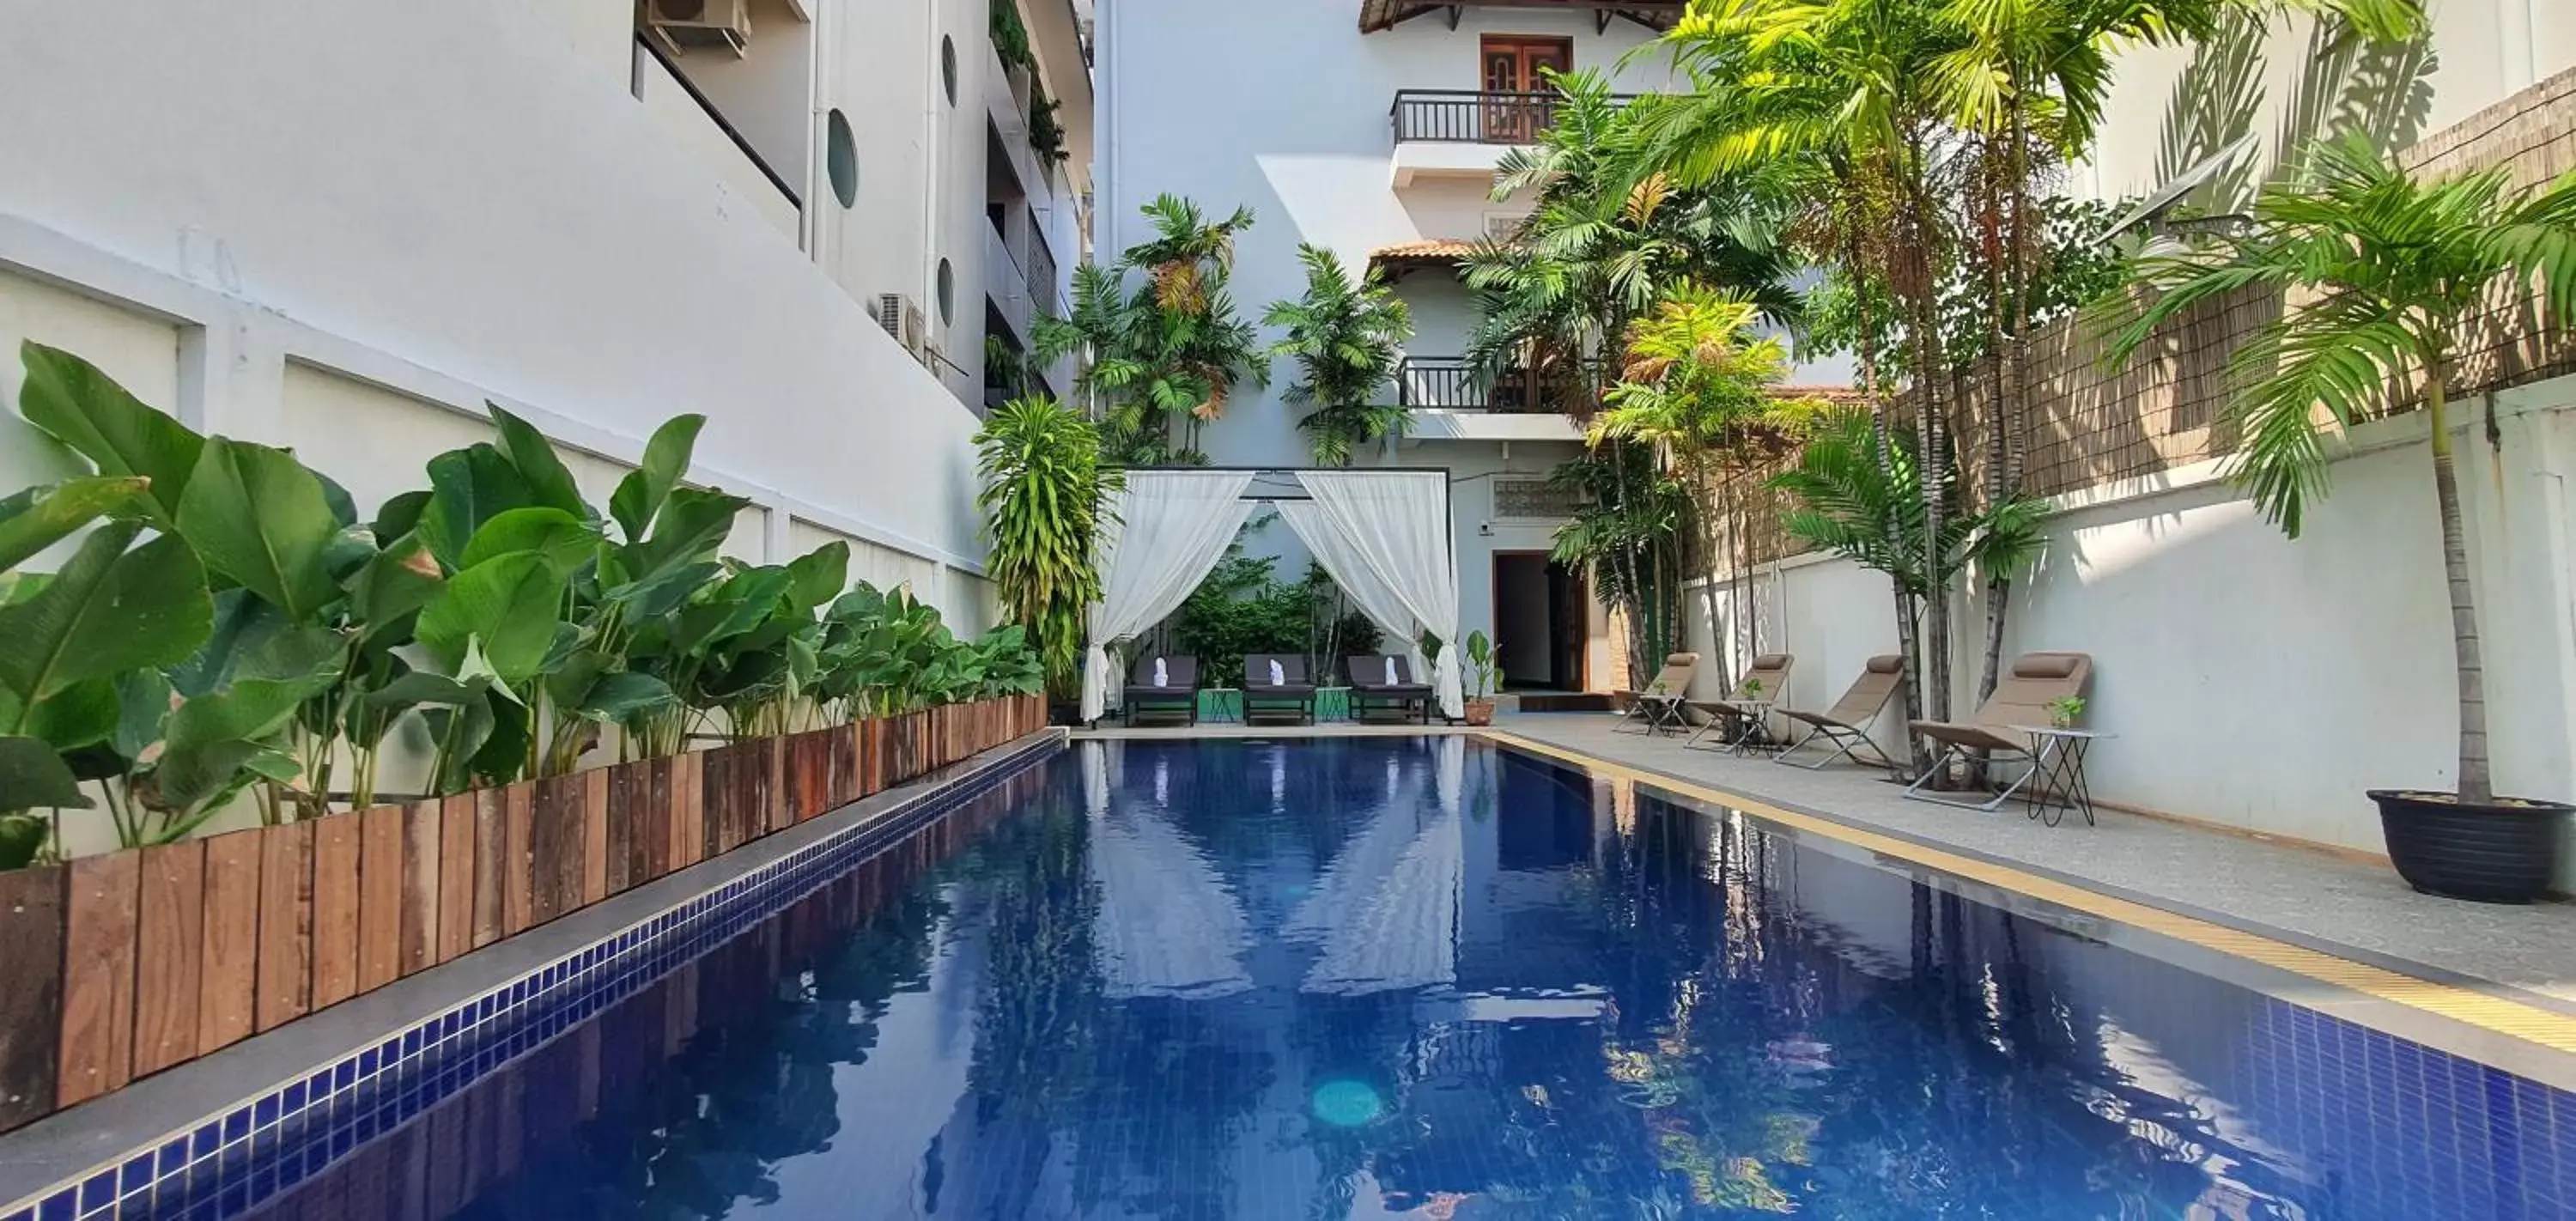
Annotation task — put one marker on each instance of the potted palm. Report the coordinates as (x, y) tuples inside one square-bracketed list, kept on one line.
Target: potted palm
[(1484, 671), (2384, 270)]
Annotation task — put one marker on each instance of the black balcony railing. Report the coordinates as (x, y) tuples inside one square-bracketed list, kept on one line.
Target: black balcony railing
[(1453, 383), (1466, 116)]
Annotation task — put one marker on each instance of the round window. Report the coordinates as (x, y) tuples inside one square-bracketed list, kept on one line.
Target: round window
[(841, 158), (947, 293), (948, 67)]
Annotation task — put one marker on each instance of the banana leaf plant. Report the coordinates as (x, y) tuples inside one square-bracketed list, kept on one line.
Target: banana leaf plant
[(169, 670)]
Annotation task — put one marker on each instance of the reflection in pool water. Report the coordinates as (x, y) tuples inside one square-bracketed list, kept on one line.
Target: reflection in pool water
[(1423, 977)]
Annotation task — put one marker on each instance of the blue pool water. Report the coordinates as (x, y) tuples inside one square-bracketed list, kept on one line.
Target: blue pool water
[(1428, 978)]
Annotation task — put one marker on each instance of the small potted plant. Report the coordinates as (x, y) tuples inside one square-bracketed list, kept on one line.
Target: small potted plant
[(2062, 714), (1485, 673)]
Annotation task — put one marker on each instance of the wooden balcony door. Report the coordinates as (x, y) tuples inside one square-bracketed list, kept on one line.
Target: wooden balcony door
[(1512, 64)]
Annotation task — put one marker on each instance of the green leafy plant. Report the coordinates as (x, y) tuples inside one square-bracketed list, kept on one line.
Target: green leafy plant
[(223, 623), (1010, 35), (2387, 268), (1046, 132), (1346, 339), (1484, 666), (1043, 495), (2063, 713)]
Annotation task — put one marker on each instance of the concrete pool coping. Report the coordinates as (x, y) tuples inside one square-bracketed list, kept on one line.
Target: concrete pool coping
[(44, 1156)]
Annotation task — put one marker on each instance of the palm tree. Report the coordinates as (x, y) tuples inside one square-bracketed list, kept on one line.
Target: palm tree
[(1346, 339), (1608, 239), (1169, 351), (1697, 387), (2385, 269), (1860, 494), (1843, 89), (2029, 83)]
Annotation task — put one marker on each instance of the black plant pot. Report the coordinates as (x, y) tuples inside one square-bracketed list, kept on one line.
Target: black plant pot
[(2494, 853)]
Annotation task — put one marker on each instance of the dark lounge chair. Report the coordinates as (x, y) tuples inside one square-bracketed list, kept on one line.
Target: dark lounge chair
[(1293, 695), (1384, 686), (1176, 697)]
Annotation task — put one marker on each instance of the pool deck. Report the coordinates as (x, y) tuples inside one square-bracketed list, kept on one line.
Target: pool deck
[(2337, 904)]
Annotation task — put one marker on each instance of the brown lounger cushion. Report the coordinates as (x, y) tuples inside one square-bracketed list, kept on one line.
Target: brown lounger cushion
[(2045, 665)]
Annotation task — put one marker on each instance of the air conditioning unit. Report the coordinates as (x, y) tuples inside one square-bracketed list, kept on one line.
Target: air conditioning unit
[(1505, 226), (901, 317), (694, 25)]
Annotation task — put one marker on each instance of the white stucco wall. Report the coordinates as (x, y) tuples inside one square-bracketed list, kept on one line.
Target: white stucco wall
[(265, 187), (767, 92), (2480, 52), (2263, 683)]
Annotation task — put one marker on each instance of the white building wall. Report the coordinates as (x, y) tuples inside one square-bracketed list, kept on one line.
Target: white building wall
[(2258, 682), (2171, 106), (352, 224), (767, 92), (1308, 150)]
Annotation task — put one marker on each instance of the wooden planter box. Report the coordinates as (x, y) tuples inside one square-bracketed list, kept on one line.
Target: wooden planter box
[(121, 965)]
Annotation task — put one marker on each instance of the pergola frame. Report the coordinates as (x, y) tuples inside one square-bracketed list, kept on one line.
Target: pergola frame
[(1448, 502), (1255, 493)]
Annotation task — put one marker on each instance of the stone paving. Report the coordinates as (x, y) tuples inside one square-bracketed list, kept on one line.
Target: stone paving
[(2357, 909)]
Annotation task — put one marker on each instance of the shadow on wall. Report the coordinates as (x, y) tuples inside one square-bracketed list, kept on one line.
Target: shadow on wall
[(2169, 405), (2345, 83)]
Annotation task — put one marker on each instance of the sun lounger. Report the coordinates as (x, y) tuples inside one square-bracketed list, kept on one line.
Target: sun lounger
[(1742, 721), (1845, 726), (1291, 695), (1659, 706), (2022, 698), (1383, 684), (1176, 696)]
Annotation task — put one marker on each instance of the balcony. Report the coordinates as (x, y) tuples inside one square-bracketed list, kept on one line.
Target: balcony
[(1461, 133), (1451, 400)]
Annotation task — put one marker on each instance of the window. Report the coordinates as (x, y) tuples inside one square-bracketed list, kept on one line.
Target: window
[(947, 293), (841, 158), (948, 67)]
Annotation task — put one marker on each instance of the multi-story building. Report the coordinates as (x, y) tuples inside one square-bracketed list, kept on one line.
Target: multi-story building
[(1376, 134), (345, 227)]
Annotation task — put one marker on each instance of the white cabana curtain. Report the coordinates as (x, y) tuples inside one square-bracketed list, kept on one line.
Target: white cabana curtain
[(1169, 530), (1375, 598), (1388, 531)]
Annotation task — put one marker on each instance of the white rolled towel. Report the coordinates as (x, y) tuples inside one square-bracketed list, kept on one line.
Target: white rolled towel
[(1278, 677), (1162, 676), (1390, 669)]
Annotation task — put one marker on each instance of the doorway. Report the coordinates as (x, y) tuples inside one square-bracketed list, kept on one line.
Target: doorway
[(1539, 611), (1512, 67)]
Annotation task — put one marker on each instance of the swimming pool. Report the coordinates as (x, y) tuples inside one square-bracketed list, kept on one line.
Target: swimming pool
[(1430, 977)]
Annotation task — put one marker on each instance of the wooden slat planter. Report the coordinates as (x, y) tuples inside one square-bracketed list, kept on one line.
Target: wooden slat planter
[(124, 964)]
